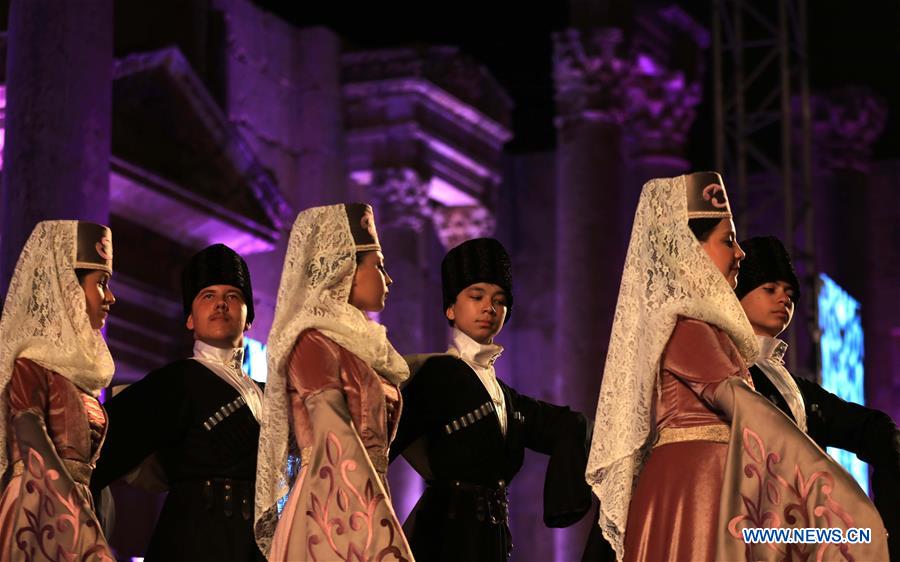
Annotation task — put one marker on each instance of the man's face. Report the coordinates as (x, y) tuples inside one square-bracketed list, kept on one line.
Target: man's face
[(219, 316), (769, 307), (479, 311)]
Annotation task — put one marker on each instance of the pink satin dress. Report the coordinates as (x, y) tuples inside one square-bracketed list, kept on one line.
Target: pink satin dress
[(35, 514), (675, 505), (344, 417)]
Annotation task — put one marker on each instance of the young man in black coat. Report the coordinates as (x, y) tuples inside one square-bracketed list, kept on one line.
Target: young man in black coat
[(466, 431), (196, 422), (768, 291)]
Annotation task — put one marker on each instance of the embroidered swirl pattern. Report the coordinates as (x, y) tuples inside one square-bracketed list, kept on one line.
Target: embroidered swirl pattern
[(349, 513), (53, 526), (803, 502)]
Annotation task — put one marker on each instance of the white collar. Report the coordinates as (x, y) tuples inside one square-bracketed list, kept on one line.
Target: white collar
[(771, 349), (230, 357), (481, 354)]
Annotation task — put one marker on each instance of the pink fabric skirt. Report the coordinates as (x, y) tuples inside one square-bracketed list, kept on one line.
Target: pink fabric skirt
[(675, 507)]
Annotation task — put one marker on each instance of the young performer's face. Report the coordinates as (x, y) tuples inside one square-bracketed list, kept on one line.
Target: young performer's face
[(219, 316), (370, 283), (99, 297), (479, 311), (769, 307), (722, 248)]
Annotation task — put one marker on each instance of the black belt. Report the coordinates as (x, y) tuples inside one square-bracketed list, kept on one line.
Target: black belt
[(225, 494), (490, 503)]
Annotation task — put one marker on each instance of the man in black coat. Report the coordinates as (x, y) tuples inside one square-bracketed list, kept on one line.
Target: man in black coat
[(466, 431), (768, 291), (196, 422)]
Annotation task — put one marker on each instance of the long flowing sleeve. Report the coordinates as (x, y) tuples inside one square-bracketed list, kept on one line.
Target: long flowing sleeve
[(52, 516), (339, 507), (775, 476), (565, 436), (144, 417)]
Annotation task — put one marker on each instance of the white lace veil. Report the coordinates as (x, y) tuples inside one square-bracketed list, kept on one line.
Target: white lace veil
[(314, 293), (45, 320), (667, 274)]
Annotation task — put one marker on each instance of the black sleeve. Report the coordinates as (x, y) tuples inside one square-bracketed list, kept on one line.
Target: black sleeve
[(833, 422), (142, 418), (419, 407), (565, 436), (869, 433)]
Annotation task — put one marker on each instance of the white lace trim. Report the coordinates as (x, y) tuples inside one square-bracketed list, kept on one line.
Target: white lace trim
[(44, 318), (314, 293), (666, 275)]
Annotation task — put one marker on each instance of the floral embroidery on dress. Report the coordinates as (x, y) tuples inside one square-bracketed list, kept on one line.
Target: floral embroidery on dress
[(58, 528), (349, 511), (806, 502)]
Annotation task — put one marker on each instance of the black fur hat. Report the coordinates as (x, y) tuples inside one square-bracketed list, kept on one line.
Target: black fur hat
[(216, 265), (482, 260), (766, 261)]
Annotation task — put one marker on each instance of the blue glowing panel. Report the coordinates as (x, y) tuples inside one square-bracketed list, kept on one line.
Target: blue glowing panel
[(255, 359), (842, 360)]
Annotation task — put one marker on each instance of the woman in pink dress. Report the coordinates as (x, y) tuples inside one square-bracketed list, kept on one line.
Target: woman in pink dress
[(53, 365), (331, 398), (685, 453)]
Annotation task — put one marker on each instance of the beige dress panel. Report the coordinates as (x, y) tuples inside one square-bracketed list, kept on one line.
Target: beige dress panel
[(344, 416)]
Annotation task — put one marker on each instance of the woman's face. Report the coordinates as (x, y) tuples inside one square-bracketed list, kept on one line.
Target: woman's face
[(370, 283), (722, 248), (99, 297)]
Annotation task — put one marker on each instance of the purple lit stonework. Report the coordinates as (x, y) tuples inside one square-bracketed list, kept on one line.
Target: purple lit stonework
[(193, 123)]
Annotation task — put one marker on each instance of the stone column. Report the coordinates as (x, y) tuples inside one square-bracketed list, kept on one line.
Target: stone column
[(591, 86), (591, 75), (400, 198), (845, 125), (320, 125), (856, 221), (662, 110), (663, 94), (58, 118), (284, 96)]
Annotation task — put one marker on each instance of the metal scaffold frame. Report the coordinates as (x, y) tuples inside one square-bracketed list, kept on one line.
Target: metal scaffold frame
[(762, 124)]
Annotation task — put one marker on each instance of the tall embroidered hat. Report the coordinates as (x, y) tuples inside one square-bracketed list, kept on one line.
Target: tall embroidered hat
[(362, 226), (482, 260), (216, 265), (94, 248), (767, 260), (706, 196)]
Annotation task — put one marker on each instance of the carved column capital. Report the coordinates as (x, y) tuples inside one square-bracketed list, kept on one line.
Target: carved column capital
[(455, 225), (845, 124), (591, 74), (400, 195), (661, 108)]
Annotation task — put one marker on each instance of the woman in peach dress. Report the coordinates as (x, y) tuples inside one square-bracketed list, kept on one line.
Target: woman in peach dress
[(685, 453), (332, 399), (53, 365)]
